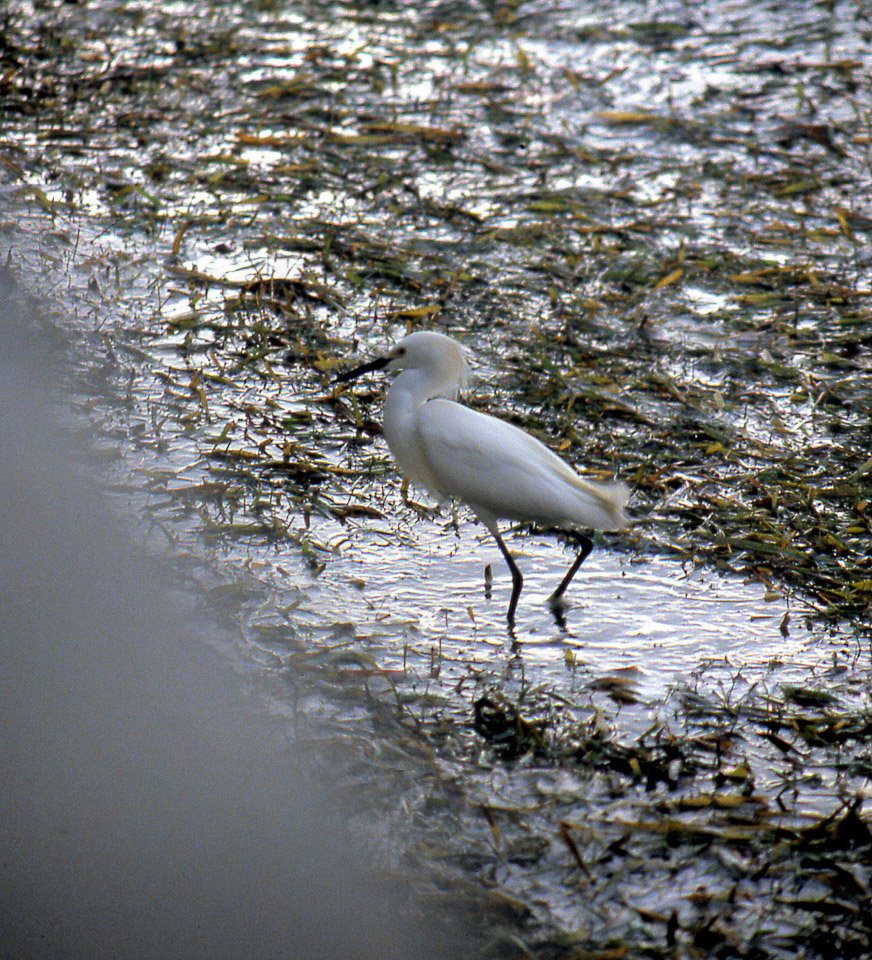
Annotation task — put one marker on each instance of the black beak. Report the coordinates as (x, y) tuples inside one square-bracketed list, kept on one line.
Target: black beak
[(378, 364)]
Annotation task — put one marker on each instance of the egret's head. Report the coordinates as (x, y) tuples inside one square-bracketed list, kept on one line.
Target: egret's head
[(438, 358)]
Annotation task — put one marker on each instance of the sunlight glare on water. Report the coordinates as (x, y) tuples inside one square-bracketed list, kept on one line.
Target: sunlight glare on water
[(657, 616)]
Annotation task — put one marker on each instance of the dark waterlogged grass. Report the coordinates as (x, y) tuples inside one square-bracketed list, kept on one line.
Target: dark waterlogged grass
[(653, 236)]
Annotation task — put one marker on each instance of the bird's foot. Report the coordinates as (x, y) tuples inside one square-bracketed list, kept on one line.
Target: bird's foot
[(559, 605), (558, 600)]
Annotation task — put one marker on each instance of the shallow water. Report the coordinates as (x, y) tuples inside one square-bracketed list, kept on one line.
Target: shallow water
[(413, 595), (648, 227), (413, 590)]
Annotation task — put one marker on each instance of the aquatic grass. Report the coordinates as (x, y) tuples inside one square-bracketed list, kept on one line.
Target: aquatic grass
[(674, 291)]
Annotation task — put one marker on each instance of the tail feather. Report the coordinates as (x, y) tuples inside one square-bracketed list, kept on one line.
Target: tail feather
[(603, 504)]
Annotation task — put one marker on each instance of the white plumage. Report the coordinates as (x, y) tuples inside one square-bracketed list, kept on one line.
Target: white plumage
[(497, 469)]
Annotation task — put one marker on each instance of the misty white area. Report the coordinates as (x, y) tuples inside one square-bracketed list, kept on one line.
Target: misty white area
[(148, 809)]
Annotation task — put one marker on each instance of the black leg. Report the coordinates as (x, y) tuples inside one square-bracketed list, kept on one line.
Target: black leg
[(517, 579), (586, 545)]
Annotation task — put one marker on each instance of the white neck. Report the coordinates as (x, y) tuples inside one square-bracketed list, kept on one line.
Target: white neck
[(407, 394)]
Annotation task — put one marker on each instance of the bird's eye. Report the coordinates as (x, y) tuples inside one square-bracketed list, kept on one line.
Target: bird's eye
[(401, 351)]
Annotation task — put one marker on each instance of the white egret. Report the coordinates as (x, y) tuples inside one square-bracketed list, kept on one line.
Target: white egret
[(496, 469)]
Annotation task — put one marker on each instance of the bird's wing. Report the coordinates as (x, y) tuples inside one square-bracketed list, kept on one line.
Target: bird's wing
[(501, 471)]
